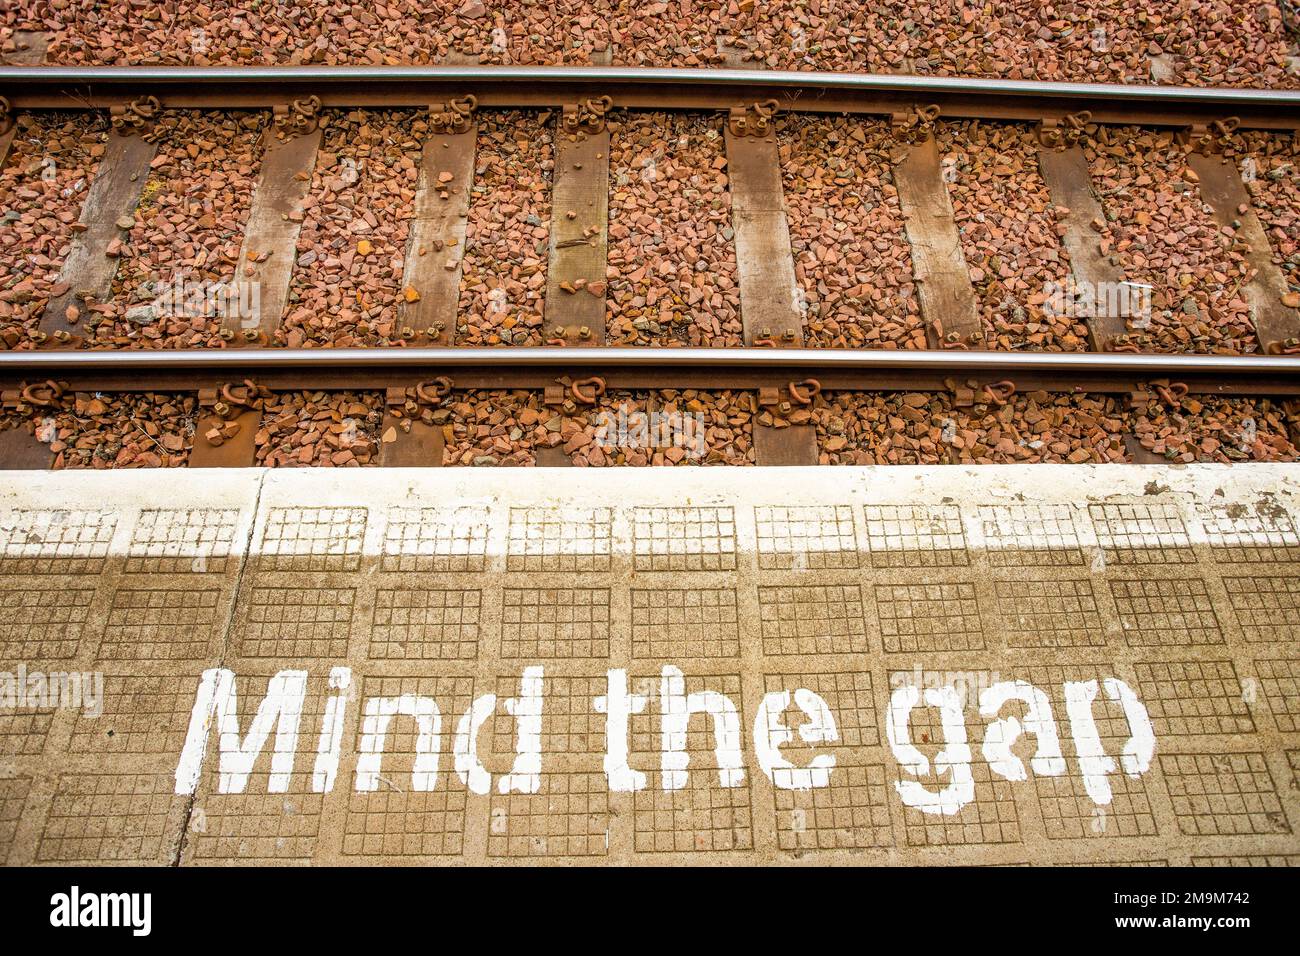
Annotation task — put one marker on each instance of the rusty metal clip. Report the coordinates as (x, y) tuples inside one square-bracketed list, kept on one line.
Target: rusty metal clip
[(417, 400), (1063, 133), (242, 395), (1289, 346), (1123, 343), (803, 393), (229, 399), (455, 116), (782, 400), (999, 393), (582, 397), (136, 117), (432, 393), (42, 394), (1172, 394), (752, 120), (6, 116), (952, 340), (298, 118), (1215, 138), (917, 125), (587, 116)]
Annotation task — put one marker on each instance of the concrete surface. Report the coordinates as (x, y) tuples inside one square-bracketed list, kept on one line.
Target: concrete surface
[(802, 600)]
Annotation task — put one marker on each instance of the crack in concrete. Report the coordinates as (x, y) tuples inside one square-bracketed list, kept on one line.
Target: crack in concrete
[(225, 646)]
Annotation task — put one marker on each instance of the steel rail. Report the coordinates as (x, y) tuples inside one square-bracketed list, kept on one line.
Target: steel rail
[(953, 361), (642, 87), (535, 367)]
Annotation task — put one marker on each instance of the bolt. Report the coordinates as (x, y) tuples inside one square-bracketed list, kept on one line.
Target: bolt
[(584, 333), (250, 335)]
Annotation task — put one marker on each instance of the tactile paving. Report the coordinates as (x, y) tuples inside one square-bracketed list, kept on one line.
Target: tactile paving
[(677, 666)]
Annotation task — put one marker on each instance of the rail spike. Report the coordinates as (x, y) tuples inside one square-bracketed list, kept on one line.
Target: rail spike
[(432, 394), (230, 399), (916, 125), (752, 120), (297, 118), (454, 116), (1064, 133), (587, 116), (137, 117), (420, 400), (1217, 137)]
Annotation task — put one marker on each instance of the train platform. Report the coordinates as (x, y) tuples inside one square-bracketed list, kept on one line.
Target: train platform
[(1000, 665)]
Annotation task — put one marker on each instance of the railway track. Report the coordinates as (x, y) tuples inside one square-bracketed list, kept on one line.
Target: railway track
[(569, 302), (504, 266)]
